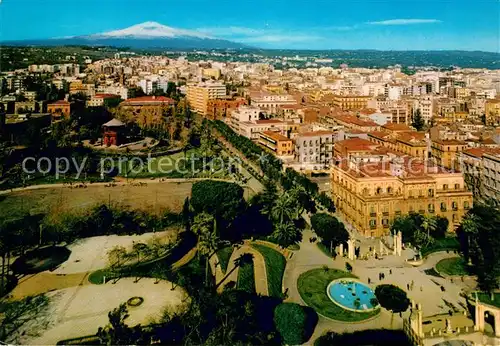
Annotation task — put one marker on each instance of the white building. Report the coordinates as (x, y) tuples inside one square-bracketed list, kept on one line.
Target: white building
[(270, 102), (243, 114)]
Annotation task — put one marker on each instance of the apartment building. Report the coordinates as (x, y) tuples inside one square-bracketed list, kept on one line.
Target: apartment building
[(218, 109), (350, 102), (492, 176), (146, 110), (472, 165), (410, 143), (315, 147), (354, 123), (445, 152), (253, 130), (103, 100), (270, 103), (481, 170), (371, 195), (198, 95), (59, 108), (249, 114), (281, 145), (492, 111)]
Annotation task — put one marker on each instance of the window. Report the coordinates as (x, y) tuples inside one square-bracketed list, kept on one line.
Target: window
[(466, 205), (379, 190), (457, 186), (373, 223), (431, 192), (454, 217), (445, 187), (430, 207), (454, 205), (443, 206), (385, 223), (365, 192), (389, 190)]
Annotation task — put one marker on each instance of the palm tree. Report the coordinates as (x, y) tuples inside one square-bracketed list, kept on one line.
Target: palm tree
[(204, 226), (282, 210), (116, 255), (429, 225), (470, 227), (286, 234)]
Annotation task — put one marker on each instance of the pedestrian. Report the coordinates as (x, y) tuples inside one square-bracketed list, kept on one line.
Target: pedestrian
[(421, 288), (369, 281), (390, 271), (408, 287)]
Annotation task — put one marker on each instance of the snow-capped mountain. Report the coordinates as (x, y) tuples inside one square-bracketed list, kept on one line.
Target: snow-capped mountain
[(150, 30), (142, 36)]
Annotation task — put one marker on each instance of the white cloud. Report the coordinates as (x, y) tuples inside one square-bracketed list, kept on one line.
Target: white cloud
[(405, 21)]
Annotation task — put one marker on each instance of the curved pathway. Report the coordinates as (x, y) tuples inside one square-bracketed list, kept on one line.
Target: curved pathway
[(231, 275)]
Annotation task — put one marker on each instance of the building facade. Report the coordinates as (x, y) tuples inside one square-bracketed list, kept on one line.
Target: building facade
[(315, 147), (371, 195), (281, 145), (199, 95)]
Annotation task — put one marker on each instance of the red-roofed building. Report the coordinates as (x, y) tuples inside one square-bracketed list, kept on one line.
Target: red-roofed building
[(353, 122), (354, 146), (148, 101), (59, 109), (370, 195), (281, 145), (147, 110)]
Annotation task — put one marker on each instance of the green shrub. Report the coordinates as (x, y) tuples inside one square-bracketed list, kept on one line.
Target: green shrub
[(294, 322)]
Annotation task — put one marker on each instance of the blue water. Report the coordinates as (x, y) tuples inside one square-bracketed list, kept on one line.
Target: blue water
[(347, 292)]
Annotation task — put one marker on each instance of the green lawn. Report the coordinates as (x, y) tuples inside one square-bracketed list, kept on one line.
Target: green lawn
[(224, 255), (485, 298), (452, 266), (275, 268), (312, 287), (246, 278), (448, 243), (173, 166)]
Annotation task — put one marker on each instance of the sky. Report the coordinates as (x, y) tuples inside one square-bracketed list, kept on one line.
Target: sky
[(287, 24)]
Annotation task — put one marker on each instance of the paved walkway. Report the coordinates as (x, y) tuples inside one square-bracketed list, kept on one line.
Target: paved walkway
[(426, 289), (81, 310), (32, 285), (231, 275)]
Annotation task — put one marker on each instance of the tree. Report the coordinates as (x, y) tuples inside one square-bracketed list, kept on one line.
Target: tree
[(429, 225), (329, 229), (284, 209), (116, 255), (418, 122), (286, 234), (294, 322), (221, 199), (204, 226), (392, 298), (117, 332), (480, 241)]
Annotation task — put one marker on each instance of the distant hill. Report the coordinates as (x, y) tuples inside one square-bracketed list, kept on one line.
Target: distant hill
[(141, 36)]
